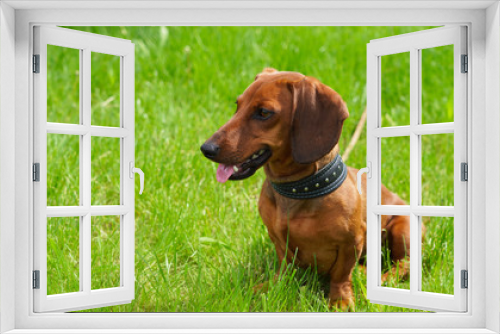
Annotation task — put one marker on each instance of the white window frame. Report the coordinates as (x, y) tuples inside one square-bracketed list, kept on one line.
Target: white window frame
[(16, 215), (413, 44), (86, 44)]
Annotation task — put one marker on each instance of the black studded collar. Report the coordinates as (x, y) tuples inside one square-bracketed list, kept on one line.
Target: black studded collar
[(325, 181)]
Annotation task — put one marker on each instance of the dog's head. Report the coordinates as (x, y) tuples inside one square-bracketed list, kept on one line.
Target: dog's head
[(281, 114)]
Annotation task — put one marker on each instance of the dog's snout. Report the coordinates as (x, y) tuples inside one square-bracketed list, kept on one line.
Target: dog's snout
[(210, 150)]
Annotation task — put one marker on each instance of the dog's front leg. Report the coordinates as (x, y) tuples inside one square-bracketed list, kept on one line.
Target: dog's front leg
[(283, 261), (341, 294)]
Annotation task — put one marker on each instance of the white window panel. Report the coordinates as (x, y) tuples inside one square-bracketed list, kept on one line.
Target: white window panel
[(86, 44), (414, 43)]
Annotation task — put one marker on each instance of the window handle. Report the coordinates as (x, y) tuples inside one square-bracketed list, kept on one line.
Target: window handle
[(368, 171), (134, 170)]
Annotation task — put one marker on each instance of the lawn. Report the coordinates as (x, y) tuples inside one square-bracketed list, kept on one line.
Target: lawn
[(200, 245)]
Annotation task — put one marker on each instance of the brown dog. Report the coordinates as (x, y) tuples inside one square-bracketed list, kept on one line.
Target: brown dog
[(291, 124)]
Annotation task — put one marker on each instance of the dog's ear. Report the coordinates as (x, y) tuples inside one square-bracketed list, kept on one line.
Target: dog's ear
[(318, 116), (267, 70)]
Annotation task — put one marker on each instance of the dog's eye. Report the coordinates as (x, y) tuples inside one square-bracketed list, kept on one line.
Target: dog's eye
[(263, 113)]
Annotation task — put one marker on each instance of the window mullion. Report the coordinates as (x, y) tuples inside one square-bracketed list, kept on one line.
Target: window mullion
[(414, 169), (85, 232), (419, 171)]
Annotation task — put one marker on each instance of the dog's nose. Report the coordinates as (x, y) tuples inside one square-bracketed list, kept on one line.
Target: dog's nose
[(210, 150)]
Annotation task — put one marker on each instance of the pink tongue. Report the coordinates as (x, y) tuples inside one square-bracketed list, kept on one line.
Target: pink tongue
[(224, 172)]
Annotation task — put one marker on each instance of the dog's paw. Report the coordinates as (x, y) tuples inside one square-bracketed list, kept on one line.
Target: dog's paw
[(261, 288), (264, 287), (342, 305)]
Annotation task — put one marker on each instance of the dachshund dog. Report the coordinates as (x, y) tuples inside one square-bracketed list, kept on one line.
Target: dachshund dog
[(290, 124)]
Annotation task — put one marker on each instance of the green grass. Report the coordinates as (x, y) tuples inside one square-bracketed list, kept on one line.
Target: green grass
[(200, 245)]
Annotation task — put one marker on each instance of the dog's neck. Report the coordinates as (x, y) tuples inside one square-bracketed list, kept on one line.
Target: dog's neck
[(280, 171)]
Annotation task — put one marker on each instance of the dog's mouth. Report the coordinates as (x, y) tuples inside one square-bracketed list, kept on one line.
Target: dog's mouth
[(245, 169)]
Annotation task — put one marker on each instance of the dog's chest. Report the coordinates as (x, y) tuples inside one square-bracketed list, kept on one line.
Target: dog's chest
[(311, 230)]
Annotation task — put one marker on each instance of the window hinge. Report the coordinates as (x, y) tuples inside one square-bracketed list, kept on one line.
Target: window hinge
[(465, 64), (465, 279), (36, 63), (36, 279), (464, 171), (36, 172)]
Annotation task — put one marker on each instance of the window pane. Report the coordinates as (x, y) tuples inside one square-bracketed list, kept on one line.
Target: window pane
[(395, 166), (105, 89), (437, 84), (395, 94), (438, 255), (63, 255), (63, 170), (395, 252), (63, 85), (105, 171), (105, 252), (437, 169)]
